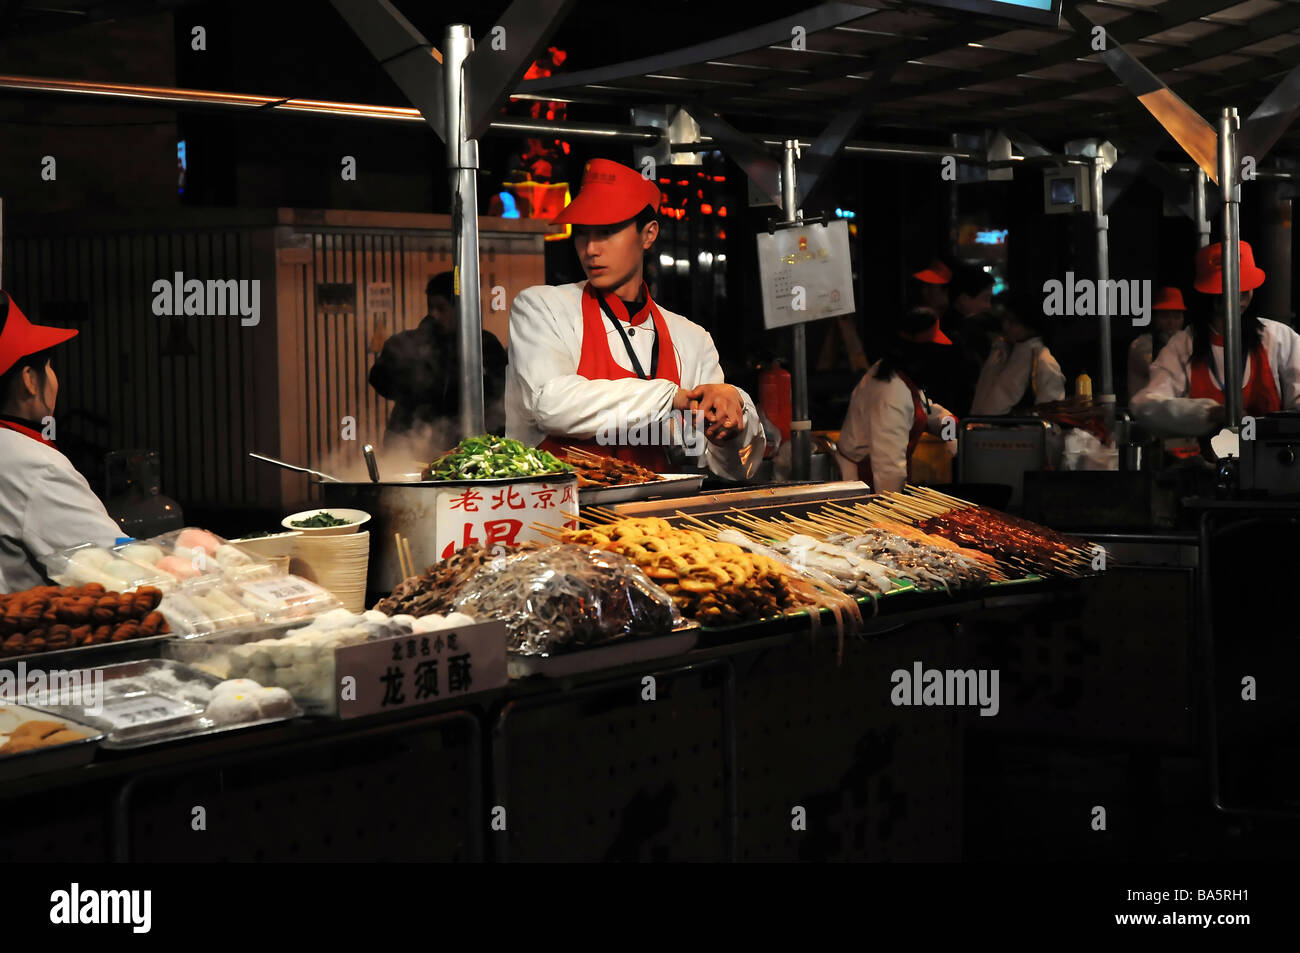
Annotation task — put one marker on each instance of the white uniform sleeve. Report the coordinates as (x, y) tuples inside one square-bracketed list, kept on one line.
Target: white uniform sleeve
[(890, 412), (1139, 364), (1163, 405), (724, 458), (63, 511), (1050, 379), (1286, 362), (544, 357), (1000, 383)]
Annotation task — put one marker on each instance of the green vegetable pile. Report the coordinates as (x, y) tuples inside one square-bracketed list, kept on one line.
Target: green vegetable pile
[(319, 520), (492, 458)]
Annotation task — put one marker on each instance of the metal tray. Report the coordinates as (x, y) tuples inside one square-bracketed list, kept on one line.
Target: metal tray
[(72, 754), (667, 486), (625, 652), (87, 656), (183, 727)]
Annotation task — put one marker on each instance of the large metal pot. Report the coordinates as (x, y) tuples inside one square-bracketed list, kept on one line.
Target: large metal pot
[(411, 509)]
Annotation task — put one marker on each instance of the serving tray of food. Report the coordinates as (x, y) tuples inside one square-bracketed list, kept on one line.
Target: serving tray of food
[(32, 742), (667, 485)]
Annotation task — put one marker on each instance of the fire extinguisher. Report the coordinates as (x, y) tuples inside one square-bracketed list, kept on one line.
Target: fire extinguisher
[(774, 397)]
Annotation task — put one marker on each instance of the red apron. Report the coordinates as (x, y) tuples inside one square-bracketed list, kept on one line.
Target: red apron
[(26, 432), (919, 421), (598, 364), (1258, 397)]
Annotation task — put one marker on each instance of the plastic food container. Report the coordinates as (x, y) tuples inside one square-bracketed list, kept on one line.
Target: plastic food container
[(52, 757), (94, 564), (224, 607), (299, 660), (159, 700)]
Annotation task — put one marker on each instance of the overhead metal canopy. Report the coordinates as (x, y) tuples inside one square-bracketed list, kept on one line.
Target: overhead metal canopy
[(955, 71)]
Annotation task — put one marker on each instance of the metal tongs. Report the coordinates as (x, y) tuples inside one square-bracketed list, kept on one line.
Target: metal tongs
[(289, 466)]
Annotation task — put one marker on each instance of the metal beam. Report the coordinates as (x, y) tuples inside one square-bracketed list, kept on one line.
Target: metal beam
[(411, 60), (491, 73), (821, 17), (828, 145), (1271, 118), (748, 153)]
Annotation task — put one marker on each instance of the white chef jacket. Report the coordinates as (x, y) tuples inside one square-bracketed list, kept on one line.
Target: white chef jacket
[(1004, 378), (879, 423), (545, 395), (1163, 405), (1139, 363), (45, 505)]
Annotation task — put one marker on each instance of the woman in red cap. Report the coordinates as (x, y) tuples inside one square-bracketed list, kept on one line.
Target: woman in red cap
[(1185, 394), (1170, 313), (599, 365), (45, 504), (888, 412)]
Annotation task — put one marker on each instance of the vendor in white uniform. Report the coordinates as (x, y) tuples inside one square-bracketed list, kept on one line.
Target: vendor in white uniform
[(599, 365), (1169, 313), (45, 504), (1184, 396), (888, 413), (1020, 372)]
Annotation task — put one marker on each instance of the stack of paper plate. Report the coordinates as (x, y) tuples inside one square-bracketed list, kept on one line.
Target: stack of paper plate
[(336, 562)]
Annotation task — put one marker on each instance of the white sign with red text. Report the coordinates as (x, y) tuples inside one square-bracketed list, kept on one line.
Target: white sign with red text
[(495, 514)]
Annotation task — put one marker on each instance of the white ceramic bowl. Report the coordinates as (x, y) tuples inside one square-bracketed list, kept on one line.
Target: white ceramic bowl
[(355, 519)]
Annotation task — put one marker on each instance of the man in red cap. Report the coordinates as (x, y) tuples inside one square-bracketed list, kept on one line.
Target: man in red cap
[(45, 504), (1170, 313), (1184, 396), (599, 365)]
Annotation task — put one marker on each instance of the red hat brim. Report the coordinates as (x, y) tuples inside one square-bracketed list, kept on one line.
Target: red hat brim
[(610, 193), (20, 338)]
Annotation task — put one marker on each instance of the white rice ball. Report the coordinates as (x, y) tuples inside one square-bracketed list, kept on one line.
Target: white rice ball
[(234, 707)]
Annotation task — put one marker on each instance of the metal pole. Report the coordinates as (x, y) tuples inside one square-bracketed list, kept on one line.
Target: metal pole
[(1230, 187), (1101, 224), (1198, 203), (800, 442), (462, 163)]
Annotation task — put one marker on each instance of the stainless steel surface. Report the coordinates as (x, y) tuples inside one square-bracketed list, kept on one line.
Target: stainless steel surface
[(462, 163), (800, 442), (1000, 450), (372, 465), (289, 466), (1101, 226), (1230, 186), (409, 509), (672, 485), (1198, 207)]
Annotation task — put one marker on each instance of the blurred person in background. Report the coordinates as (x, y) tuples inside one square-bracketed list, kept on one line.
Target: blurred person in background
[(1020, 371), (1169, 313), (889, 413), (419, 371)]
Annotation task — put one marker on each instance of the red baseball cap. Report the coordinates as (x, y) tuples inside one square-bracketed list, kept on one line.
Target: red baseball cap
[(1209, 269), (1169, 299), (610, 193), (19, 337), (930, 334), (935, 273)]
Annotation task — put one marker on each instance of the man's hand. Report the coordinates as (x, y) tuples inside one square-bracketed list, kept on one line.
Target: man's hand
[(724, 411)]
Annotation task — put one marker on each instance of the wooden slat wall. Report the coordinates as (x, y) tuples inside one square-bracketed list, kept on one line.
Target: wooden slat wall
[(117, 386), (282, 387)]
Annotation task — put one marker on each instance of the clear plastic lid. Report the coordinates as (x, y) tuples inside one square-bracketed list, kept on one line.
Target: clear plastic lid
[(170, 561), (283, 598), (95, 564), (206, 609)]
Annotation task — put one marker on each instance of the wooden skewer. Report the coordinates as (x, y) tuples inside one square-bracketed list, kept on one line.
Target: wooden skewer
[(401, 557), (406, 548)]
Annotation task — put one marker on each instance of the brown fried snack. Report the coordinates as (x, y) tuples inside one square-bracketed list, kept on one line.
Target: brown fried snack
[(150, 594), (101, 634), (105, 608), (124, 631), (59, 637), (15, 644), (81, 635), (154, 624)]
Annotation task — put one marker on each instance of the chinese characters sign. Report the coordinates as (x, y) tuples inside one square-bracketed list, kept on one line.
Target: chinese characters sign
[(408, 670), (805, 274), (496, 514)]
